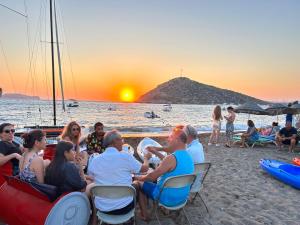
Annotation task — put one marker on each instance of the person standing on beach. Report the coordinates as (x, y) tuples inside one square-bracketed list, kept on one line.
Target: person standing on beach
[(216, 126), (229, 126)]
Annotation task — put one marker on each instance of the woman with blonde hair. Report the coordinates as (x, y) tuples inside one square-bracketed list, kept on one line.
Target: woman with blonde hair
[(72, 133), (216, 125)]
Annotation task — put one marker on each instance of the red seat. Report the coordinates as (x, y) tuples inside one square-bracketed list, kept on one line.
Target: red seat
[(6, 169), (49, 152)]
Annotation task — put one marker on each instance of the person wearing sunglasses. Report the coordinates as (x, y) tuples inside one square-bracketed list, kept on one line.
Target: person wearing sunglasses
[(72, 133), (9, 150)]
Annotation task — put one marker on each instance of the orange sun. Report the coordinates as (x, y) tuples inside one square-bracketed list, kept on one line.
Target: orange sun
[(127, 95)]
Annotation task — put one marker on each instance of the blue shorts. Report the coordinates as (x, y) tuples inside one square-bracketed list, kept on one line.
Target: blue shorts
[(150, 189)]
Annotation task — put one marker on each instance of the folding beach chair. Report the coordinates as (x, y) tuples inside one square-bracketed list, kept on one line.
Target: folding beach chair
[(174, 182), (201, 170), (263, 141), (114, 192)]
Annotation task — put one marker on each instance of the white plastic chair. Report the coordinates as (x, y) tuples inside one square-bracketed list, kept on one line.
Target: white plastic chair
[(201, 170), (114, 192), (175, 182)]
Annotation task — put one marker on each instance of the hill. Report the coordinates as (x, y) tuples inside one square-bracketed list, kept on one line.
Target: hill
[(20, 96), (182, 90)]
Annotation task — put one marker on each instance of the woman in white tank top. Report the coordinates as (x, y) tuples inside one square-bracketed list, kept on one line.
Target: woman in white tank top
[(216, 126)]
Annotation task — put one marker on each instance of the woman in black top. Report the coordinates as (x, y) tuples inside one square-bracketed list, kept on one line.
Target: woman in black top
[(62, 172), (9, 151)]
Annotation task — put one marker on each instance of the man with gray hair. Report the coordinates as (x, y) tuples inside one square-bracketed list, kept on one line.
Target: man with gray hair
[(193, 146), (115, 167)]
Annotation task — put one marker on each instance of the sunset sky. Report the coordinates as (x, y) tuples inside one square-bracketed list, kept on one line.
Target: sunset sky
[(251, 47)]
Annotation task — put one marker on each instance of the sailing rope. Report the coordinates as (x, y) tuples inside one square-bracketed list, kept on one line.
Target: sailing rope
[(60, 14), (15, 11), (8, 69)]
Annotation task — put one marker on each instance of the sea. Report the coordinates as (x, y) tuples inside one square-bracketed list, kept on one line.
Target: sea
[(128, 118)]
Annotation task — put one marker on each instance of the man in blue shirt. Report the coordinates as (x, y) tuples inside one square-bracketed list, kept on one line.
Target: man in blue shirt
[(287, 136)]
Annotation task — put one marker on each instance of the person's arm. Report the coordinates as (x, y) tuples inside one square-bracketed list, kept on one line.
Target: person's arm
[(145, 166), (73, 177), (166, 165), (38, 168), (292, 137), (5, 158), (156, 151)]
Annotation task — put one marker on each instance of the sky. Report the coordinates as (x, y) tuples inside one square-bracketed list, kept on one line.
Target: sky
[(107, 46)]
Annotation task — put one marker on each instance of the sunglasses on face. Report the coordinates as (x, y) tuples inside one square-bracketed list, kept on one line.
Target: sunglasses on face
[(75, 129), (9, 131)]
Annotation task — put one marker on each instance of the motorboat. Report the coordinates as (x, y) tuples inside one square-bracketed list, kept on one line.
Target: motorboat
[(73, 104), (151, 115), (167, 107), (112, 108)]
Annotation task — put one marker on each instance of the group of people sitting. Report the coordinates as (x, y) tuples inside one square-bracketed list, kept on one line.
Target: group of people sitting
[(287, 135), (110, 166)]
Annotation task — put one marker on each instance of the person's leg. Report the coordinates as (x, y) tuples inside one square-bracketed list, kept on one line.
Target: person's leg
[(142, 200), (211, 138), (278, 142), (243, 139), (93, 218), (292, 145), (217, 137)]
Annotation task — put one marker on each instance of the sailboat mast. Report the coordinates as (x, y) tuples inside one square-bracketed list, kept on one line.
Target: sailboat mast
[(59, 61), (53, 66)]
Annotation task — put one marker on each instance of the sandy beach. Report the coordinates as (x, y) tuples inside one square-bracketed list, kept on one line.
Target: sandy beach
[(238, 192)]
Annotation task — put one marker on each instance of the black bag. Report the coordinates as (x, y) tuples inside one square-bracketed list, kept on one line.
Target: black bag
[(47, 189)]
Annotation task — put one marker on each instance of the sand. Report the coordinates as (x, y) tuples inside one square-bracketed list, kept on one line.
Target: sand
[(237, 191)]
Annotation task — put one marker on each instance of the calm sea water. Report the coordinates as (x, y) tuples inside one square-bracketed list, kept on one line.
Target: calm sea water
[(128, 117)]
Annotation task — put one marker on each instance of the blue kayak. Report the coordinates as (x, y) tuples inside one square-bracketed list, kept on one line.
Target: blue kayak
[(285, 172)]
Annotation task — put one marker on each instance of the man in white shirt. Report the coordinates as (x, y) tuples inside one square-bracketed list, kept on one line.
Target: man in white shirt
[(115, 167), (194, 147)]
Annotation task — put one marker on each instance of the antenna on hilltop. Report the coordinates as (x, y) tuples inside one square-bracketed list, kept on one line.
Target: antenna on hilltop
[(181, 71)]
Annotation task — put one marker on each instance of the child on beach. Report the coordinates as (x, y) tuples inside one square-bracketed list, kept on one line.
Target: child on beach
[(229, 126), (216, 126)]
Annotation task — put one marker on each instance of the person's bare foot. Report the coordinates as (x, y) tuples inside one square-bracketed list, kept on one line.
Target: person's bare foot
[(143, 217)]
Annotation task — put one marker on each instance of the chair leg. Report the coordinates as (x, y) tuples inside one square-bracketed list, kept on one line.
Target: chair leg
[(204, 204), (193, 199), (186, 216), (156, 213)]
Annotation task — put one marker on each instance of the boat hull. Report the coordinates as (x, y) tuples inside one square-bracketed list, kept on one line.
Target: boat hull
[(285, 172), (21, 204)]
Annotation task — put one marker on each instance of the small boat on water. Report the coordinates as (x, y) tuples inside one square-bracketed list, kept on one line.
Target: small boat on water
[(167, 108), (285, 172), (151, 115), (112, 108), (73, 104)]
